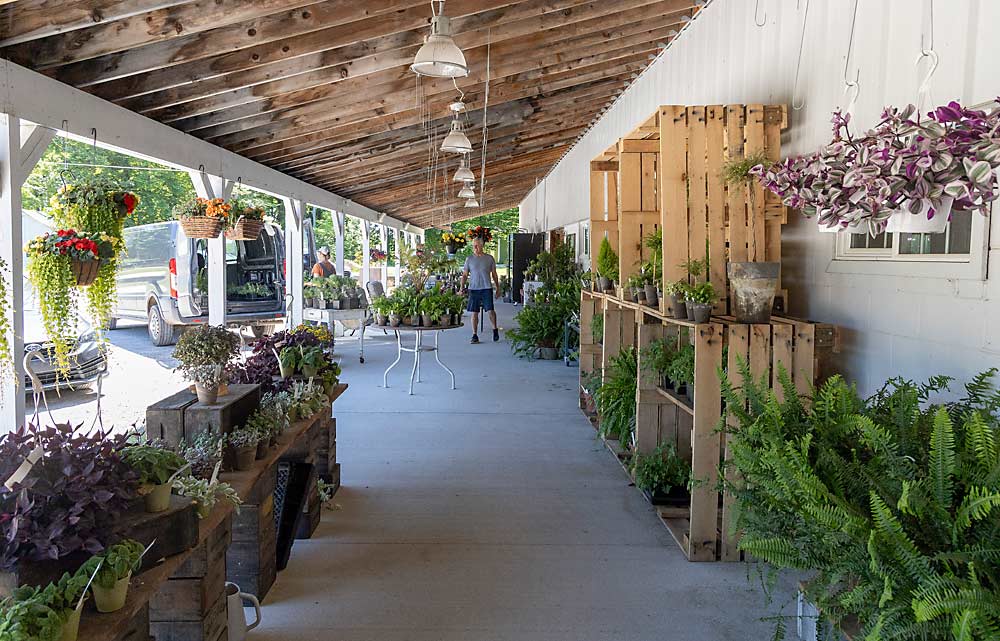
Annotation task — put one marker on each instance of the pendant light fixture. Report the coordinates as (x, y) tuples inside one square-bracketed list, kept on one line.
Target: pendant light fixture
[(456, 142), (472, 202), (464, 174), (440, 57), (467, 191)]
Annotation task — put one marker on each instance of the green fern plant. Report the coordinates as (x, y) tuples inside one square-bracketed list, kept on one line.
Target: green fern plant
[(893, 503), (615, 398)]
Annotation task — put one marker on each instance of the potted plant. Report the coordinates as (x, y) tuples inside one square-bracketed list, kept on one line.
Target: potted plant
[(204, 351), (428, 309), (701, 299), (156, 468), (453, 242), (203, 453), (677, 291), (112, 571), (653, 268), (246, 220), (663, 476), (394, 313), (243, 442), (57, 263), (206, 493), (681, 371), (52, 612), (202, 217), (607, 265), (615, 397), (636, 285), (312, 360), (656, 358)]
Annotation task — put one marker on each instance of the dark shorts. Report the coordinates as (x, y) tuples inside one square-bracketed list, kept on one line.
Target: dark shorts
[(480, 298)]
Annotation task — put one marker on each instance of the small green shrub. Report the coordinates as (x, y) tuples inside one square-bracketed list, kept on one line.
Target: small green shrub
[(607, 261), (662, 470)]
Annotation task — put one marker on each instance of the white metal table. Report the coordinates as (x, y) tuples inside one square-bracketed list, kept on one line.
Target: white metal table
[(416, 350), (329, 316)]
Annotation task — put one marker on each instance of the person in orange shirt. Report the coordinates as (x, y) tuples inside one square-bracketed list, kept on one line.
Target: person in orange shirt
[(323, 266)]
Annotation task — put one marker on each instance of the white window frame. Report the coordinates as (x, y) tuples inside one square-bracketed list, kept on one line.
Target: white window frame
[(890, 262)]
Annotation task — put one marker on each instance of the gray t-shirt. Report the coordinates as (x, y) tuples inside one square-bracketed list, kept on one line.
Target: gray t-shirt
[(479, 269)]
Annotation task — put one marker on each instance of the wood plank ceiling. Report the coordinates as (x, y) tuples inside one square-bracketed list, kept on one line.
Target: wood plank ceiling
[(323, 91)]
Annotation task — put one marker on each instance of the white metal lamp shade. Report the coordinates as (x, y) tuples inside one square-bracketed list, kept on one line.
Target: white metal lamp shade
[(464, 174), (472, 202), (467, 192), (440, 57), (456, 141)]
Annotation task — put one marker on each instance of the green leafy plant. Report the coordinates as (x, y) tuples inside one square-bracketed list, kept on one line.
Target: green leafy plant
[(677, 288), (542, 323), (100, 210), (737, 171), (597, 328), (155, 465), (204, 452), (29, 615), (616, 397), (115, 563), (243, 437), (6, 358), (681, 368), (661, 470), (204, 350), (206, 494), (891, 503), (555, 266), (702, 293), (653, 268), (695, 267), (607, 261), (657, 356)]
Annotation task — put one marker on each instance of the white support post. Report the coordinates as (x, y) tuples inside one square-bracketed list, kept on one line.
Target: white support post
[(338, 221), (209, 186), (366, 262), (396, 252), (383, 236), (11, 250), (294, 212)]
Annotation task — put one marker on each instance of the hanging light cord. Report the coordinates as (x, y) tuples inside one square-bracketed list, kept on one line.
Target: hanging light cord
[(486, 103)]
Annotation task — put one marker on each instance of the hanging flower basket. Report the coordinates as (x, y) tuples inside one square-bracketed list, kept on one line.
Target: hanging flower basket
[(85, 271), (245, 229), (203, 218)]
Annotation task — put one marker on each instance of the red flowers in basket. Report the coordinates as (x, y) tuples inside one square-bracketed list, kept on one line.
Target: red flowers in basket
[(69, 242), (377, 254), (481, 232)]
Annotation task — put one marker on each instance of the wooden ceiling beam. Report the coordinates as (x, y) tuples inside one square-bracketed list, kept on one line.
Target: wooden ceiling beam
[(365, 70), (128, 36), (341, 56), (329, 139), (325, 25), (274, 131)]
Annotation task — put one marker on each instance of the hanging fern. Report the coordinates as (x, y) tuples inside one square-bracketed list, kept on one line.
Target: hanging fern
[(893, 503)]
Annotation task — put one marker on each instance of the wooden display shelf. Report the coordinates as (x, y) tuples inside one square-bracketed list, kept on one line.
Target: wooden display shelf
[(96, 626), (676, 400)]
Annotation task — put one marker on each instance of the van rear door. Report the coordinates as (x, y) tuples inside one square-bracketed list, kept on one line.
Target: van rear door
[(253, 277)]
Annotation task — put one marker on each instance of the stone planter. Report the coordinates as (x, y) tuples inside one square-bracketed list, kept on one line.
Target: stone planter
[(753, 287)]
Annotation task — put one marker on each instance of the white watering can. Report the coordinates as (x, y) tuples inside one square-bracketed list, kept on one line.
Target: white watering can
[(238, 627)]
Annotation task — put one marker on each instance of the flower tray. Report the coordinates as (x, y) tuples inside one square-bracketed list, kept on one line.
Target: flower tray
[(245, 229), (85, 271), (201, 227)]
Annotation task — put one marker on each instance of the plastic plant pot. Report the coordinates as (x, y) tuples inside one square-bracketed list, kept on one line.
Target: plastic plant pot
[(158, 498), (114, 599)]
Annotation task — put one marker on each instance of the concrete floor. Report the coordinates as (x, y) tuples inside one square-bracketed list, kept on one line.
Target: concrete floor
[(491, 513)]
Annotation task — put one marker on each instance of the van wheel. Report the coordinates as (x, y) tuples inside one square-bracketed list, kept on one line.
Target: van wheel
[(161, 332)]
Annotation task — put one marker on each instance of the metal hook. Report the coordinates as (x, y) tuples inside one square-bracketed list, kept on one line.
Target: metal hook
[(763, 20), (925, 85), (798, 65), (850, 85)]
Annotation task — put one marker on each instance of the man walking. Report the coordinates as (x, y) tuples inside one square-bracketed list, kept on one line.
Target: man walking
[(479, 270)]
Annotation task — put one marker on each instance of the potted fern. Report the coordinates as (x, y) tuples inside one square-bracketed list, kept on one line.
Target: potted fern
[(112, 571), (156, 467)]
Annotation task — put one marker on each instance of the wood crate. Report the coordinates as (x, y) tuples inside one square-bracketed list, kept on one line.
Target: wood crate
[(250, 559), (180, 417), (703, 528), (191, 605)]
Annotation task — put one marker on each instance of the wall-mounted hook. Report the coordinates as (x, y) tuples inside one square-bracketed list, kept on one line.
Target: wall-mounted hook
[(763, 18)]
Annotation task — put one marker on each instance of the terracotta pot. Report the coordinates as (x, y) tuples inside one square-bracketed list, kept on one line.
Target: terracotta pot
[(158, 498), (207, 394), (111, 600), (245, 457)]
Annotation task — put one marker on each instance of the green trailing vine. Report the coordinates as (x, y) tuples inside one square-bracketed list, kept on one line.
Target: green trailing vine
[(6, 358), (52, 278), (97, 208)]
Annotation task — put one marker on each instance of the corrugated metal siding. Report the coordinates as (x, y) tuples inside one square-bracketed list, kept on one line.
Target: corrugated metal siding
[(892, 325)]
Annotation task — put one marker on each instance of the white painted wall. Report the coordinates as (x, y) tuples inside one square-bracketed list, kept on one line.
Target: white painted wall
[(891, 324)]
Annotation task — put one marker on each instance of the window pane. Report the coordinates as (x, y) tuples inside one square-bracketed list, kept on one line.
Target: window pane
[(960, 241), (914, 243), (859, 241)]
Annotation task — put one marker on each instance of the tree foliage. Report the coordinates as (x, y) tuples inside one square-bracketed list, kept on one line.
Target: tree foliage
[(502, 224)]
